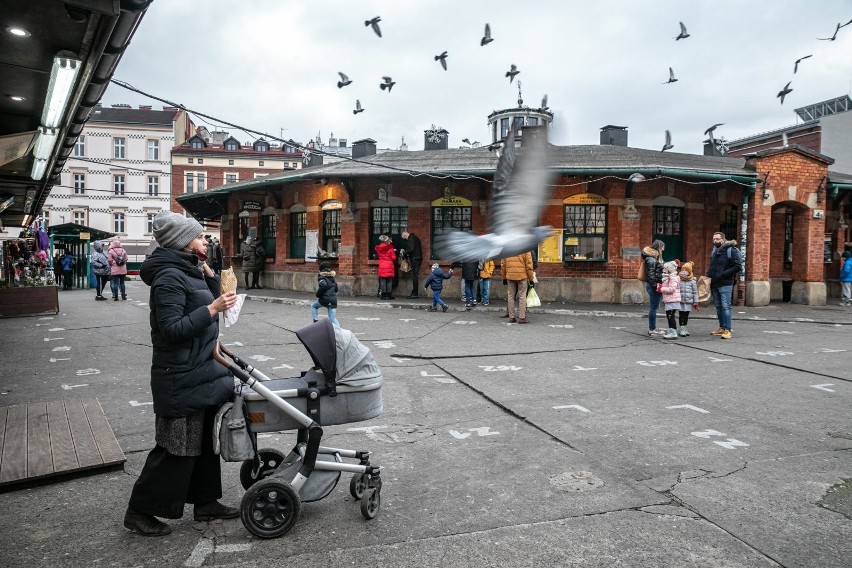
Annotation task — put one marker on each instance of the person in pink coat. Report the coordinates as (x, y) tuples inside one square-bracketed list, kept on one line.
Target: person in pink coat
[(117, 257), (670, 288), (387, 257)]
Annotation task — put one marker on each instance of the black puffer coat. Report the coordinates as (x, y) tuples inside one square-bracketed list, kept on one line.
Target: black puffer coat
[(184, 376), (327, 290), (653, 265)]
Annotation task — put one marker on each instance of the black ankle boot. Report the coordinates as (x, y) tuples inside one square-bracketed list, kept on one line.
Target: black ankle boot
[(145, 524)]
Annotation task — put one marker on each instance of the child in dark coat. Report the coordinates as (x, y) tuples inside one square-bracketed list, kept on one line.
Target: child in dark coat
[(436, 282), (326, 294)]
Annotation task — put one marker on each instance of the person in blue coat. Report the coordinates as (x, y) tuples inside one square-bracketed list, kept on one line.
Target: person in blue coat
[(846, 279), (187, 384), (436, 282)]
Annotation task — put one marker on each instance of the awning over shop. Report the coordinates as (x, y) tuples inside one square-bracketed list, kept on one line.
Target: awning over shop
[(205, 206), (67, 231)]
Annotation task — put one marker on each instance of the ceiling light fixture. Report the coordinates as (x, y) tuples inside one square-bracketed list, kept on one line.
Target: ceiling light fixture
[(16, 98), (38, 169), (45, 142), (16, 31), (63, 74)]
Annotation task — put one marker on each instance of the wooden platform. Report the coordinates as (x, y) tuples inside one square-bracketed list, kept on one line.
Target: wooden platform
[(47, 439)]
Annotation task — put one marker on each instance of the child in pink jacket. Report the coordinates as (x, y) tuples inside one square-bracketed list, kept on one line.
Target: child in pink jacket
[(670, 288)]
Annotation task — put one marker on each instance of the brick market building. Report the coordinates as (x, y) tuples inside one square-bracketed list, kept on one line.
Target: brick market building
[(603, 213)]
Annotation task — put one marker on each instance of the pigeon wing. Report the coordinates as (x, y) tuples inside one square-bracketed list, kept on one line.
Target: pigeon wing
[(521, 187), (466, 247)]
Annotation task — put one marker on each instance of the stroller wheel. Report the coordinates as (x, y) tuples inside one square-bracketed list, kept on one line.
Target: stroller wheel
[(270, 459), (270, 508), (358, 484), (370, 504)]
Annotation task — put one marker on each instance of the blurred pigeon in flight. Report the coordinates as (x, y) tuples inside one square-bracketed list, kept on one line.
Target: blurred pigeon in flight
[(388, 84), (357, 107), (511, 73), (544, 102), (709, 131), (837, 29), (518, 198), (682, 34), (375, 23), (443, 59), (784, 140), (486, 39), (466, 140), (672, 78), (344, 80), (784, 92), (796, 66), (668, 145)]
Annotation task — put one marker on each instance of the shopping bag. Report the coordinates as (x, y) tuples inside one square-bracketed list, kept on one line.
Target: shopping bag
[(404, 265), (533, 300), (703, 290), (643, 272)]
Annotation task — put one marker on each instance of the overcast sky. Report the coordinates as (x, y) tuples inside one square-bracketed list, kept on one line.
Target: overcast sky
[(272, 65)]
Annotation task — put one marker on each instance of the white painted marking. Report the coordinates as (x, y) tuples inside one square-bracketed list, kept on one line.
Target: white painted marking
[(54, 360), (199, 553), (370, 431), (233, 547), (237, 343), (757, 318), (579, 368), (56, 329), (262, 358), (718, 360), (84, 372), (731, 444), (458, 435), (53, 339), (463, 322), (426, 374), (400, 359), (367, 319), (69, 387), (803, 319), (689, 407), (137, 403), (560, 326), (707, 433), (282, 366), (775, 353), (447, 381), (778, 332), (63, 348), (618, 328), (46, 318), (482, 431), (823, 387), (493, 368), (407, 319), (385, 344), (656, 363), (827, 350), (359, 333), (576, 406)]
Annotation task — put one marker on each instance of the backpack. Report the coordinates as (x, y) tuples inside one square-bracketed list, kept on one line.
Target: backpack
[(120, 259)]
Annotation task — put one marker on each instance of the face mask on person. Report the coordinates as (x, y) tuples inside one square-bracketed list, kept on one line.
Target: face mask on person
[(200, 254), (717, 245)]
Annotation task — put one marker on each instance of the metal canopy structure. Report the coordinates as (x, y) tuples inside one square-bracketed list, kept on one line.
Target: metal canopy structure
[(825, 108), (73, 230)]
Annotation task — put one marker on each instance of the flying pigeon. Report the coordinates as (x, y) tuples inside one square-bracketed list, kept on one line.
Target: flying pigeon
[(784, 92), (466, 140), (668, 145), (357, 107), (486, 39), (517, 200), (388, 84), (511, 73), (344, 80), (784, 141), (672, 78), (443, 59), (837, 29), (682, 34), (544, 102), (375, 23), (709, 131), (796, 66)]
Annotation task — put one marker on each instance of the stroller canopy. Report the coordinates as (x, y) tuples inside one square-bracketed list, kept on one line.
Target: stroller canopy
[(339, 354)]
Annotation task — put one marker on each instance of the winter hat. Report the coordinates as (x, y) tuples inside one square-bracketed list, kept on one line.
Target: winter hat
[(687, 267), (325, 267), (670, 267), (435, 266), (173, 231), (847, 254), (384, 238)]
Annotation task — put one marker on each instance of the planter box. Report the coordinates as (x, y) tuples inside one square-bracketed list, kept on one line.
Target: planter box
[(28, 301)]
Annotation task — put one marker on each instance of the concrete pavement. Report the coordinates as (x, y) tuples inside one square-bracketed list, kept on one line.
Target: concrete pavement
[(576, 440)]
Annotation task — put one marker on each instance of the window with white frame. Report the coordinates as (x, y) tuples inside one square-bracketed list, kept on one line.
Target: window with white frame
[(153, 186), (118, 222), (232, 145), (80, 147), (190, 183), (196, 181), (190, 160), (260, 162), (196, 143), (202, 181), (118, 184), (231, 178), (79, 217), (200, 160), (118, 148), (153, 149), (230, 162), (79, 184), (149, 227), (260, 175)]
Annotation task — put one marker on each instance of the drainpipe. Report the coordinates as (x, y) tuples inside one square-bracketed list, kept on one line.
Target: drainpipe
[(741, 287)]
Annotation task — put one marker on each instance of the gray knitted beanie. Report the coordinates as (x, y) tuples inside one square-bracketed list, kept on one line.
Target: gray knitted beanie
[(173, 231)]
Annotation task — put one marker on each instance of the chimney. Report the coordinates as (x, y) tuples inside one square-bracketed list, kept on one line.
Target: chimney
[(436, 139), (171, 108), (121, 105), (365, 147), (145, 107), (612, 135), (343, 142), (710, 149), (529, 133)]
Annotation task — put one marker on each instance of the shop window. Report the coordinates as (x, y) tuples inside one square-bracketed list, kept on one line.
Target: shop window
[(393, 220), (330, 237), (788, 238), (298, 222), (585, 232), (446, 219), (267, 234)]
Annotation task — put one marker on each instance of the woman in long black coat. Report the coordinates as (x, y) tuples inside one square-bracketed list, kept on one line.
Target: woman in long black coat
[(187, 385)]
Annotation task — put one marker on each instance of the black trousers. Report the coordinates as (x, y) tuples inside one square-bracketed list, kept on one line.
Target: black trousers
[(415, 275), (168, 482), (102, 281), (67, 279)]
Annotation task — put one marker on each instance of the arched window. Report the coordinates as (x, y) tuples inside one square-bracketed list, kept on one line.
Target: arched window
[(268, 232), (387, 217), (298, 221), (449, 212), (330, 234)]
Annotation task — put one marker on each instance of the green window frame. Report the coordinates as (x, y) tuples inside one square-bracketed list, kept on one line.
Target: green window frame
[(393, 220), (298, 224), (445, 219), (241, 234), (585, 233), (268, 232), (330, 230)]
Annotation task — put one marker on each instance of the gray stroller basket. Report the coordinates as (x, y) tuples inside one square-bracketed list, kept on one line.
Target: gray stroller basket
[(344, 386)]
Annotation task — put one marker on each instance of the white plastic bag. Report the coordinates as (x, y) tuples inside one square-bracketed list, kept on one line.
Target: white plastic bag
[(231, 314)]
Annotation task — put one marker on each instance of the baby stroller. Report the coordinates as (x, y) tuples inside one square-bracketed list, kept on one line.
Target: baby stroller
[(344, 386)]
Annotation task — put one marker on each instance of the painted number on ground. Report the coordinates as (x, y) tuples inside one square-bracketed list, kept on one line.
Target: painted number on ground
[(493, 368), (384, 344), (775, 353), (464, 322), (656, 363), (560, 326), (481, 431), (728, 444)]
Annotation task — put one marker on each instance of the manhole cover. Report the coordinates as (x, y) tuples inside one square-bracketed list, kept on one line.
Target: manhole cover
[(576, 481)]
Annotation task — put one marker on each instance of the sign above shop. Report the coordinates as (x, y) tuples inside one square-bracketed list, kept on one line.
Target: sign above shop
[(585, 199), (85, 236), (252, 206), (450, 200)]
